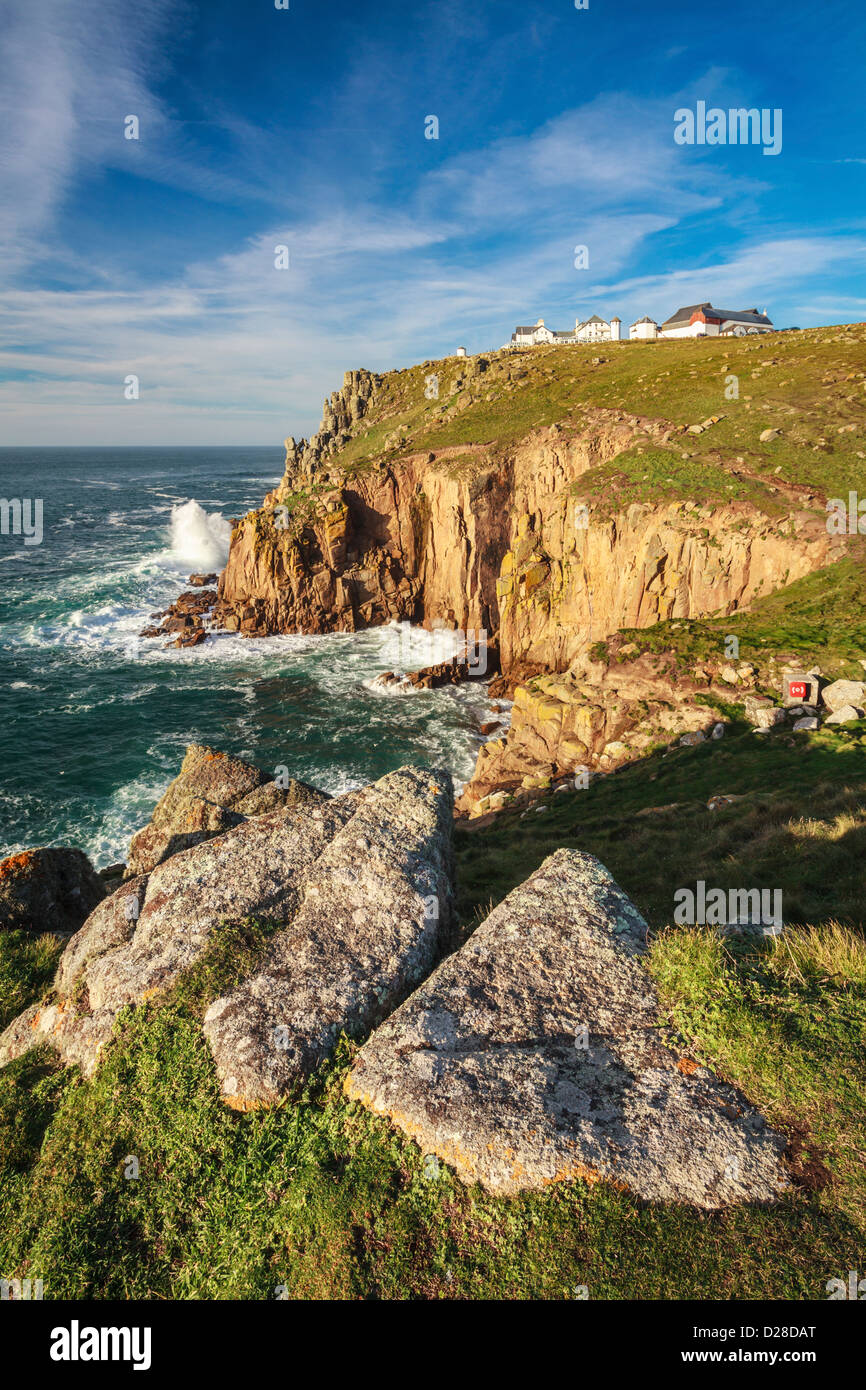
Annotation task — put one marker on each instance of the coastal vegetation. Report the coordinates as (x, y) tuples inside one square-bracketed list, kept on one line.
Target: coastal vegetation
[(136, 1179)]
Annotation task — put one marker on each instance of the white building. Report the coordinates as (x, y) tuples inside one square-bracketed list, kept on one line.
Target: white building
[(702, 320), (592, 330), (598, 330), (531, 336), (644, 328)]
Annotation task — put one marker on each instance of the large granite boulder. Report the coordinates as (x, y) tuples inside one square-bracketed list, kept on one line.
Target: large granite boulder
[(212, 793), (360, 887), (533, 1055), (48, 890), (371, 926), (841, 693)]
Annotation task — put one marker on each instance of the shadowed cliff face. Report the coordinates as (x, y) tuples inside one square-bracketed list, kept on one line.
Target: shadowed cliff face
[(474, 538)]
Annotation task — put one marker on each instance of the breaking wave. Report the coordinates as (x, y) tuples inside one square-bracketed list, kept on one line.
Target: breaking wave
[(199, 540)]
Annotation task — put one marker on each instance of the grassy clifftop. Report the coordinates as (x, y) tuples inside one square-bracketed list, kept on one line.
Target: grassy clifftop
[(810, 385)]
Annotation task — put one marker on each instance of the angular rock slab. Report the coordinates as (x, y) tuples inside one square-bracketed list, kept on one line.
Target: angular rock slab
[(532, 1056), (361, 886), (371, 926), (211, 794)]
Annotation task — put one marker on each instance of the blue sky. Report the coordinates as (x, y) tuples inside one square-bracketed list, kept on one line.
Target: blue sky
[(306, 128)]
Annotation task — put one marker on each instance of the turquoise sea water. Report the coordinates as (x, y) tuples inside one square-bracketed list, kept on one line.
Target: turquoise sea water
[(95, 721)]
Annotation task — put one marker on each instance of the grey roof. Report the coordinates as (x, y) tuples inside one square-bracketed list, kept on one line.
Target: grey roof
[(531, 329), (646, 319), (742, 316), (595, 319), (737, 315)]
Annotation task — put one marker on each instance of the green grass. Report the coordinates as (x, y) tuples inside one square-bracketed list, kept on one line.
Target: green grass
[(329, 1202), (801, 826), (27, 965), (644, 474)]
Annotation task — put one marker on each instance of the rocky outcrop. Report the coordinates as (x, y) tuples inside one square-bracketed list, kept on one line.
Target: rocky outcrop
[(188, 618), (477, 537), (48, 890), (211, 794), (563, 587), (341, 414), (420, 538), (373, 922), (359, 889), (534, 1055), (591, 719)]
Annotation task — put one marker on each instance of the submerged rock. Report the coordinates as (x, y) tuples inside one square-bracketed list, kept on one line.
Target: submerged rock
[(533, 1055), (48, 890)]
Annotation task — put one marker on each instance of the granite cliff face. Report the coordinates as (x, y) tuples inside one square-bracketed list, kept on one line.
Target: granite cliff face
[(501, 542), (549, 539)]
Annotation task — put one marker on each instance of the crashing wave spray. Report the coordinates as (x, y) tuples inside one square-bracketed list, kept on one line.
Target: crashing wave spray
[(198, 540)]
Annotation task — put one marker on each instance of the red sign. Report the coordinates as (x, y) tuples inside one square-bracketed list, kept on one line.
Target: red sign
[(797, 690)]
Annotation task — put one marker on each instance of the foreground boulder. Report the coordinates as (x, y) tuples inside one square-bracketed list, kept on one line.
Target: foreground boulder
[(48, 890), (372, 925), (211, 794), (533, 1055), (360, 887)]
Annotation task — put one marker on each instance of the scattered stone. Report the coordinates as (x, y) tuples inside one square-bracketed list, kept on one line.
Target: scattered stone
[(48, 890), (766, 435), (761, 712), (715, 803), (691, 740), (199, 581), (533, 1055), (810, 722), (729, 675), (718, 731)]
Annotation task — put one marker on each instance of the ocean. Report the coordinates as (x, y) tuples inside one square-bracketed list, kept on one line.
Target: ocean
[(95, 720)]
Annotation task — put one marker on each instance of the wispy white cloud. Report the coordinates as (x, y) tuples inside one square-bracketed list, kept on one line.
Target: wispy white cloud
[(230, 349)]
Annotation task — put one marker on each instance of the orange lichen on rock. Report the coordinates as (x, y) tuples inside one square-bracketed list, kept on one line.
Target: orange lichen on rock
[(16, 863)]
